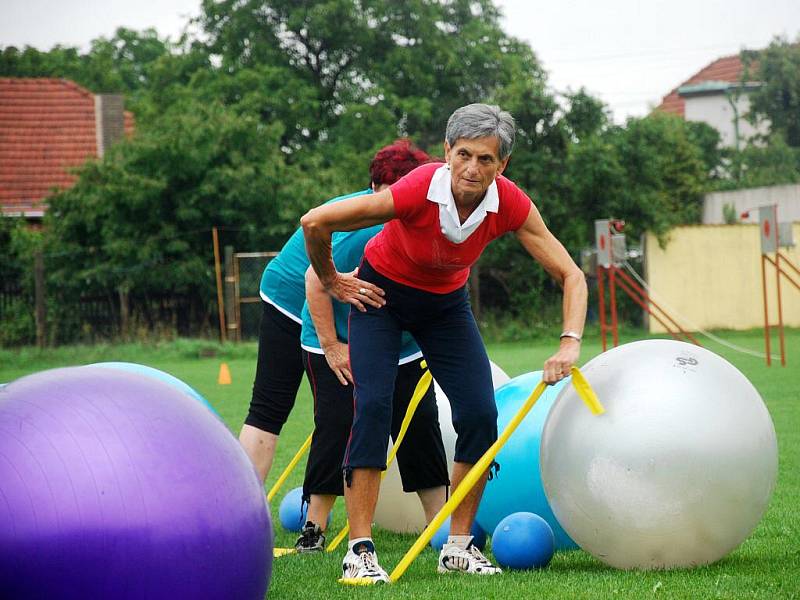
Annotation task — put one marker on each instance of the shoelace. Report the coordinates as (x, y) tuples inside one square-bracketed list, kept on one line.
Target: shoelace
[(369, 563), (473, 550)]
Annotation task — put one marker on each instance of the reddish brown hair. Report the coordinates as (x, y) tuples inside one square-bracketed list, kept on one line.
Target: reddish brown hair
[(393, 161)]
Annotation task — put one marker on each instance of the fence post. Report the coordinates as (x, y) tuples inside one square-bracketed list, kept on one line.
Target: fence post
[(218, 272), (39, 291), (230, 296), (124, 310)]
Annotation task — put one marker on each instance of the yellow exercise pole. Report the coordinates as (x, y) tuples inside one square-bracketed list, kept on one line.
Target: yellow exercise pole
[(292, 464), (586, 392), (476, 472), (422, 387)]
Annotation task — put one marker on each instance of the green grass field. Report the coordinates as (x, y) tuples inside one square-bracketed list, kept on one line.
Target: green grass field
[(767, 565)]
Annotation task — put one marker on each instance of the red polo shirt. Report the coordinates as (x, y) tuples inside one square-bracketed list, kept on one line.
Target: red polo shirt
[(412, 250)]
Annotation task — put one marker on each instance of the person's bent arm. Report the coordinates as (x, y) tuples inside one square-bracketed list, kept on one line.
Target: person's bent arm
[(320, 306), (348, 215), (551, 254)]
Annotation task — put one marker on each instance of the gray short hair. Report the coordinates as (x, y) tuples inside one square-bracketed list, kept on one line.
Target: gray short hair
[(481, 120)]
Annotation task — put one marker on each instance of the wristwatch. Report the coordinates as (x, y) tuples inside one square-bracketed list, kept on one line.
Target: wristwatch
[(570, 334)]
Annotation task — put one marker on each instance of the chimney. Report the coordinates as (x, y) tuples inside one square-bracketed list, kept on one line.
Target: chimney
[(109, 119)]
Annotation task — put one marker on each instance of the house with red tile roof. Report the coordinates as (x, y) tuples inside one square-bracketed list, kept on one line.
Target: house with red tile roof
[(47, 127), (717, 95)]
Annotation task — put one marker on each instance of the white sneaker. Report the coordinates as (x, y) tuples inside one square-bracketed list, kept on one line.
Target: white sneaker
[(360, 566), (455, 559)]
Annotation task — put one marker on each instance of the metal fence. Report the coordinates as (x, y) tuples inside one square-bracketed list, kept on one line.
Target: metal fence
[(242, 300)]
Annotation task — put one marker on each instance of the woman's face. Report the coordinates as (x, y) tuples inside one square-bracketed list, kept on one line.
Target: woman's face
[(474, 164)]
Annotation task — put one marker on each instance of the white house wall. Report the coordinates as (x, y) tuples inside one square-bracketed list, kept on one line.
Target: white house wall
[(715, 110)]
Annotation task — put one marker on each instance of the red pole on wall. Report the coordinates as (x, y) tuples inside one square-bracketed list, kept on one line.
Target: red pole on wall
[(613, 304), (780, 307), (766, 308), (601, 299)]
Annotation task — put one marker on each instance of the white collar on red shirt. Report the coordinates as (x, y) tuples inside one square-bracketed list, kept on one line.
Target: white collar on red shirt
[(441, 192)]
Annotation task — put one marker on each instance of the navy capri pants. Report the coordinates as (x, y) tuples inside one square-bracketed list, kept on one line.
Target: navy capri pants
[(445, 330)]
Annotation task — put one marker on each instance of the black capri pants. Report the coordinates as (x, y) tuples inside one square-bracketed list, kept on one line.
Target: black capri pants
[(445, 330), (421, 457), (278, 373)]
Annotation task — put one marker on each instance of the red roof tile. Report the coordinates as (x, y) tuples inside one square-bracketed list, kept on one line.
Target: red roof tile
[(47, 127), (727, 68)]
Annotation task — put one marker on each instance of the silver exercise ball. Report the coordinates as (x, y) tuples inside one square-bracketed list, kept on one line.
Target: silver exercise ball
[(400, 511), (676, 473)]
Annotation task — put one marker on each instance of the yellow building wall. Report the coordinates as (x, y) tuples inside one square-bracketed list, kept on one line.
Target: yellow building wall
[(709, 277)]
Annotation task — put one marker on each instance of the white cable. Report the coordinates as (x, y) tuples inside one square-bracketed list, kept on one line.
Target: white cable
[(692, 326)]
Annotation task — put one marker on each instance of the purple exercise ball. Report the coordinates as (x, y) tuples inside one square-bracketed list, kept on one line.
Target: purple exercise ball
[(117, 485)]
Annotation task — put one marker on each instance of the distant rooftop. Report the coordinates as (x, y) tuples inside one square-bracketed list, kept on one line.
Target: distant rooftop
[(47, 127), (727, 69)]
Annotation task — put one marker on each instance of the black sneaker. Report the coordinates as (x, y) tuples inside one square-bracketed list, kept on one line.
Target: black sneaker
[(311, 539)]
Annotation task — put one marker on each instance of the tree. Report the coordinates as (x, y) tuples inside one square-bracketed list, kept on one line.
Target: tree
[(778, 98), (420, 60), (17, 245), (117, 65), (140, 219)]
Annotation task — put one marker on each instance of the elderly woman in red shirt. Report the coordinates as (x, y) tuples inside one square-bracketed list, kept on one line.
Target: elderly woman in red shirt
[(439, 218)]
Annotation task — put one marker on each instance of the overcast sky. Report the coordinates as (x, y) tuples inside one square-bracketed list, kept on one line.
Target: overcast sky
[(629, 53)]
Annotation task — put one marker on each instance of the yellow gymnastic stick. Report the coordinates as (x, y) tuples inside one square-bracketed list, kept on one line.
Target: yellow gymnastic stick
[(476, 472), (422, 387), (292, 464), (586, 392)]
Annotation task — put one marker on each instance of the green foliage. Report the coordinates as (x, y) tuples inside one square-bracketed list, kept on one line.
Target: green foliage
[(117, 65), (141, 218), (17, 326), (707, 140), (420, 60), (778, 98), (757, 165), (17, 246), (729, 214), (10, 267), (774, 158)]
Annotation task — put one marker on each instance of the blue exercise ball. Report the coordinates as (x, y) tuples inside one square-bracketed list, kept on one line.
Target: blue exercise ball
[(517, 485), (523, 540), (293, 512), (159, 375), (440, 537)]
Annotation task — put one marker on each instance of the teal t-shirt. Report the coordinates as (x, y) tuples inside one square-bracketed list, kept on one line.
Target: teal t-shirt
[(283, 283), (348, 249)]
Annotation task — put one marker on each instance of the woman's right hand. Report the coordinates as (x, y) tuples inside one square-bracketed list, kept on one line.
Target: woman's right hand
[(338, 357), (346, 287)]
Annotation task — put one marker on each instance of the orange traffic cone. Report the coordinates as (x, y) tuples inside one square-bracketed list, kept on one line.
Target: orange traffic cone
[(224, 375)]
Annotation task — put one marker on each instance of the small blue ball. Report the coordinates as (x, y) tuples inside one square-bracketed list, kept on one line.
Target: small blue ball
[(523, 540), (440, 537), (293, 512)]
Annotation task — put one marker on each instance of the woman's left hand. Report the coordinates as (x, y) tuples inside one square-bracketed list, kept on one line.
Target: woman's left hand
[(558, 366)]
